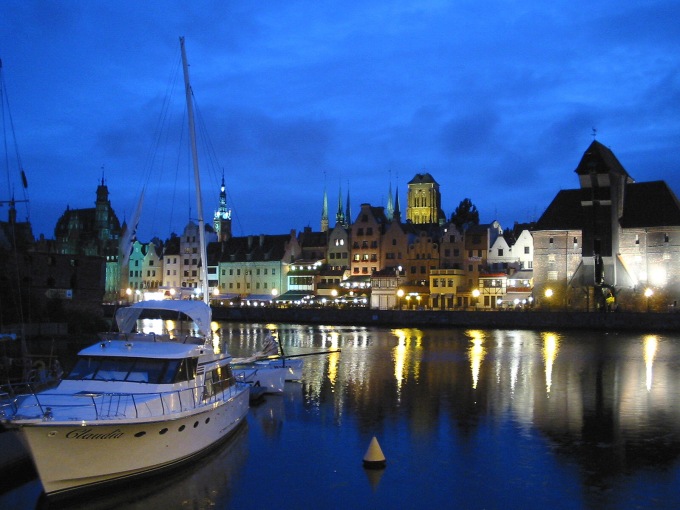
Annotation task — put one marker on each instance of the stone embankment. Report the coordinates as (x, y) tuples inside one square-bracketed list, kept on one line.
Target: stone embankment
[(535, 320)]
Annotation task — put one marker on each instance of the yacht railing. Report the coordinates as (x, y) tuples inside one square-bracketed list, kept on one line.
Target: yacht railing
[(88, 406)]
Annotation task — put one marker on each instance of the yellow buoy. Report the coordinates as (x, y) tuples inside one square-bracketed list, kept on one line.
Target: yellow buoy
[(374, 458)]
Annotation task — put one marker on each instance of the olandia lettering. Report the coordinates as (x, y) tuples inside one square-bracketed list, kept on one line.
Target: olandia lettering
[(88, 434)]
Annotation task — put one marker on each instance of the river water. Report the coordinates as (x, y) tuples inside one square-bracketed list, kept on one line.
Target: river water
[(469, 419)]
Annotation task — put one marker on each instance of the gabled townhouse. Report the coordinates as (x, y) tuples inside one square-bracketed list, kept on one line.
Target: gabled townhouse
[(338, 253), (152, 266), (172, 266), (366, 236)]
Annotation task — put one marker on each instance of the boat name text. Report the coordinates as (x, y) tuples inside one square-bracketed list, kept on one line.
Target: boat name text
[(88, 434)]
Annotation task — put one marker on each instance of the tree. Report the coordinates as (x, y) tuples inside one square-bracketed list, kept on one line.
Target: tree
[(465, 215)]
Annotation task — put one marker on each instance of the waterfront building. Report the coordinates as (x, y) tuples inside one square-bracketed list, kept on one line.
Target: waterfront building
[(190, 257), (93, 231), (338, 255), (446, 286), (612, 241), (478, 241), (366, 235), (253, 267), (451, 247), (172, 267), (313, 245)]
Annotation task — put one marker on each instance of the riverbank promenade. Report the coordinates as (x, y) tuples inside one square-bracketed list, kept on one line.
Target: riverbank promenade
[(534, 320)]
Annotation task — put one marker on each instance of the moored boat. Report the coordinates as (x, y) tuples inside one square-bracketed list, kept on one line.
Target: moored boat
[(129, 406), (134, 403)]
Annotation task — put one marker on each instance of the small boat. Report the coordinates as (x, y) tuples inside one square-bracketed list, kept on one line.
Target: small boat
[(130, 406), (271, 357), (270, 379)]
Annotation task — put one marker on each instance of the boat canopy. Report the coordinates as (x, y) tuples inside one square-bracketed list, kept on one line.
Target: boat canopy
[(197, 311)]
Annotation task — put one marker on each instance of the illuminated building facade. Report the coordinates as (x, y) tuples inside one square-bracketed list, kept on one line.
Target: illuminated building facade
[(611, 237)]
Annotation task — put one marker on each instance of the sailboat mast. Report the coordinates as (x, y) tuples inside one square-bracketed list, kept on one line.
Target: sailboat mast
[(197, 177)]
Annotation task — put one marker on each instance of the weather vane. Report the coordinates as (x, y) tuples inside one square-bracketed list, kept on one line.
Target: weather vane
[(594, 133)]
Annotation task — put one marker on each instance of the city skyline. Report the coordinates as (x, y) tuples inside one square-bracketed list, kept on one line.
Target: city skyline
[(497, 102)]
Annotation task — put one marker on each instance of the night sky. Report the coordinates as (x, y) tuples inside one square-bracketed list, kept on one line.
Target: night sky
[(497, 100)]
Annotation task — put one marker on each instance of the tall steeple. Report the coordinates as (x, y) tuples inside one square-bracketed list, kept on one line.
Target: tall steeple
[(397, 213), (340, 215), (324, 212), (348, 212), (222, 217), (389, 211)]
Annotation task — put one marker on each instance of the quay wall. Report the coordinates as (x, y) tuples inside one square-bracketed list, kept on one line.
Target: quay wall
[(534, 320)]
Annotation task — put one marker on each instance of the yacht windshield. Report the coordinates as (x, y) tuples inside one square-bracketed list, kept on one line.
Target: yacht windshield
[(142, 370)]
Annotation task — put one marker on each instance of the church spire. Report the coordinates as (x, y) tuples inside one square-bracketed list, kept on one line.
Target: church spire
[(324, 212), (348, 212), (390, 204), (222, 217), (396, 216), (340, 215)]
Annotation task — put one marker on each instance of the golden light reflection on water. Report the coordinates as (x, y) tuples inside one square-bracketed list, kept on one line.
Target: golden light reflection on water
[(333, 363), (650, 343), (476, 353), (406, 354), (551, 344)]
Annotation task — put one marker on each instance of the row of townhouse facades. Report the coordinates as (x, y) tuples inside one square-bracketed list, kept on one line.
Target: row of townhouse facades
[(609, 238), (347, 264)]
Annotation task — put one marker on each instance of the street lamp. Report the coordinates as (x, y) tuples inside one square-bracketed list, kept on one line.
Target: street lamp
[(475, 297), (548, 294), (400, 295), (648, 293)]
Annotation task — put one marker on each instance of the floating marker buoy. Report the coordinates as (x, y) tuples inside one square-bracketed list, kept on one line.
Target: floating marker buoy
[(374, 458)]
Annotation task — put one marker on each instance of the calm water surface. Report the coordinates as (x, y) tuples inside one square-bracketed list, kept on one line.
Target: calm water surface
[(478, 419)]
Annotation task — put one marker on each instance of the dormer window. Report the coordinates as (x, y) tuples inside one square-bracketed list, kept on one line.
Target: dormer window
[(665, 238)]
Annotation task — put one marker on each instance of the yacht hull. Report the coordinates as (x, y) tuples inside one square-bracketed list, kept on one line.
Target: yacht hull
[(73, 456)]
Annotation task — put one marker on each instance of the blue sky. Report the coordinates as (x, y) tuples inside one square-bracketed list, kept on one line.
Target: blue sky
[(497, 100)]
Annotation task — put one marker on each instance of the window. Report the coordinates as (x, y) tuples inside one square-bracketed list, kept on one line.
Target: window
[(637, 239), (500, 252), (526, 250), (665, 238), (552, 275), (551, 240)]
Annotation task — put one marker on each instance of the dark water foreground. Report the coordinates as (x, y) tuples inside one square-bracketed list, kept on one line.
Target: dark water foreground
[(477, 419)]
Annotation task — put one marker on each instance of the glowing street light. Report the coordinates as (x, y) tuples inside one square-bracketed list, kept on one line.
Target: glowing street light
[(475, 297), (648, 293)]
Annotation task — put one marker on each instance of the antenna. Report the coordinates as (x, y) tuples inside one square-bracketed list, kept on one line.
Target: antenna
[(594, 133)]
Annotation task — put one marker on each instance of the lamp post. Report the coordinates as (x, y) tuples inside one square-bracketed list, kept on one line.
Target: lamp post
[(475, 297), (548, 294), (648, 293), (400, 295)]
